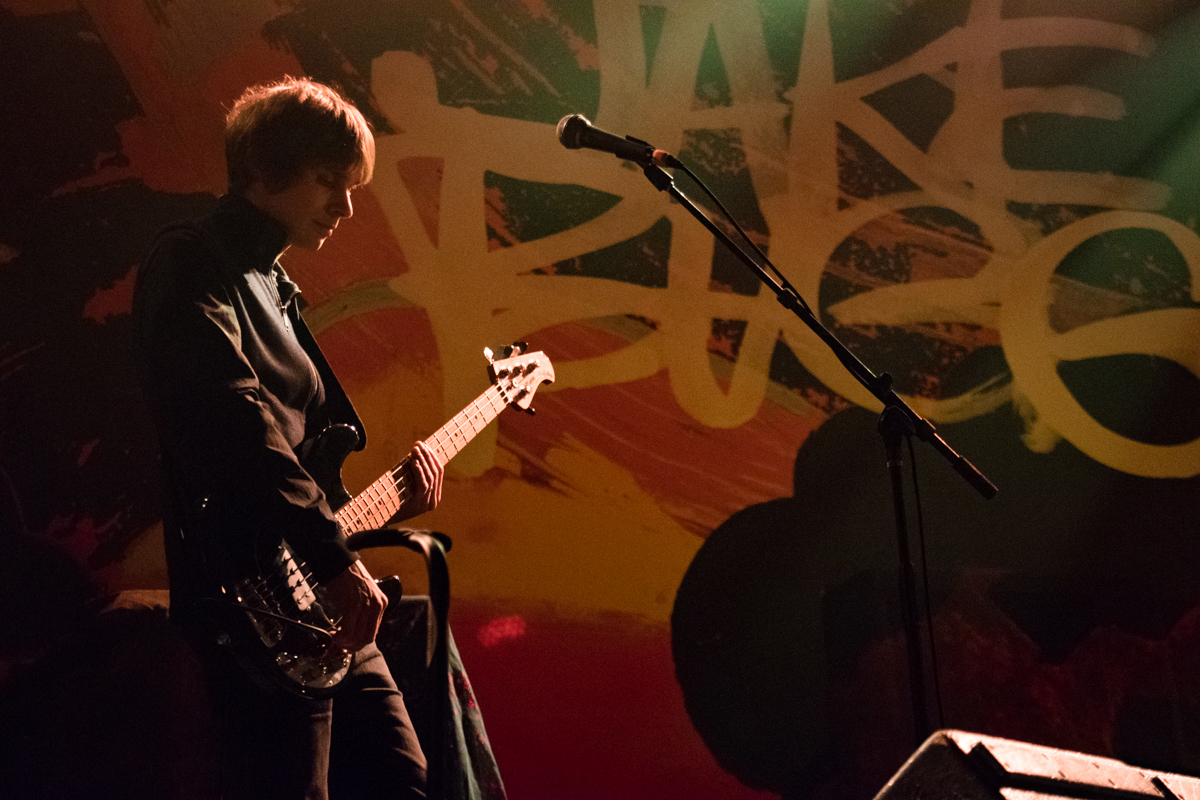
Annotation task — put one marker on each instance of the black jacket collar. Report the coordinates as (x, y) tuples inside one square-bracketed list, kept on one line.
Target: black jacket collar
[(250, 232)]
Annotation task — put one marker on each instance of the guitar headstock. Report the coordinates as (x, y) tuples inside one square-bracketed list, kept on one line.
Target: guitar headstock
[(520, 374)]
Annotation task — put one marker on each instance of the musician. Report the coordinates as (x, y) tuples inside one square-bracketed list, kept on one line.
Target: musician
[(238, 389)]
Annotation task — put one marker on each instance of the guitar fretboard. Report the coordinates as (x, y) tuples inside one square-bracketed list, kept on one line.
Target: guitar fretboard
[(379, 502)]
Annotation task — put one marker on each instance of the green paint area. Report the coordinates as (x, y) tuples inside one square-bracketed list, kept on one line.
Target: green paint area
[(530, 210), (640, 260)]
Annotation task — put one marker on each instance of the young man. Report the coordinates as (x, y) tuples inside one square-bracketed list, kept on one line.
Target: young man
[(238, 389)]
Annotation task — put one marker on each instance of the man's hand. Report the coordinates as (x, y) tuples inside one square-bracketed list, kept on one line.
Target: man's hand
[(427, 473), (355, 596)]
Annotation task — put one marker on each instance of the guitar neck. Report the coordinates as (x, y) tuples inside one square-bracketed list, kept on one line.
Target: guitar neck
[(379, 502)]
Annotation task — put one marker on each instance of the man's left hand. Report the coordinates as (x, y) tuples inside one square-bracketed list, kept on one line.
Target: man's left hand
[(427, 473)]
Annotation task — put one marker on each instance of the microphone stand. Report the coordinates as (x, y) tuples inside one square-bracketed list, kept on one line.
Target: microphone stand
[(898, 421)]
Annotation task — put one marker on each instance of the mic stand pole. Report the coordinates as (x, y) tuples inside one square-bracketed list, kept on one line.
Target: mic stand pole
[(897, 421)]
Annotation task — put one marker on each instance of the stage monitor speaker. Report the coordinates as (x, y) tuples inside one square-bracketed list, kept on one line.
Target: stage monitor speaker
[(955, 765)]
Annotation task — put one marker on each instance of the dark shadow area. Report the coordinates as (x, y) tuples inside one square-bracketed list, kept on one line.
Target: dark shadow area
[(1052, 603)]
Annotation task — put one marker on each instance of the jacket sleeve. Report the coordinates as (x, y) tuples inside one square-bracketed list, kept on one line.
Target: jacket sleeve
[(219, 439)]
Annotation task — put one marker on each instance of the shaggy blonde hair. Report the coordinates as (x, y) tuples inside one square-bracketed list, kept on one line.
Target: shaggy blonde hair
[(275, 131)]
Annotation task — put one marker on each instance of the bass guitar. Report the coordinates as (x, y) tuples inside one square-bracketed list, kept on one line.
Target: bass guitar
[(278, 622)]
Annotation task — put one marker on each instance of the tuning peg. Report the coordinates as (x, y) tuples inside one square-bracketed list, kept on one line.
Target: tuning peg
[(489, 355), (528, 411)]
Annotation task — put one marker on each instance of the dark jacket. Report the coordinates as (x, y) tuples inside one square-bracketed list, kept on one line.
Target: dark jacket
[(227, 367)]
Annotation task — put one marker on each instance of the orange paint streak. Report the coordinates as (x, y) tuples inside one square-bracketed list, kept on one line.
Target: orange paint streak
[(699, 476), (365, 348), (174, 105)]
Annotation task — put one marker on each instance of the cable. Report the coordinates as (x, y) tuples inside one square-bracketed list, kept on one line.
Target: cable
[(746, 238)]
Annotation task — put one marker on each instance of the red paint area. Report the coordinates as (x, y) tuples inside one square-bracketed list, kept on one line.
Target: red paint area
[(361, 249), (587, 710), (422, 177), (698, 475), (500, 629), (495, 214), (363, 348), (111, 301)]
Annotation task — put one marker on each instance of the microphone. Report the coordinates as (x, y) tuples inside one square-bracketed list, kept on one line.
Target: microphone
[(575, 131)]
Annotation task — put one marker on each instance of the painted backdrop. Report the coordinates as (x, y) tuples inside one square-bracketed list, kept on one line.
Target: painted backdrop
[(678, 578)]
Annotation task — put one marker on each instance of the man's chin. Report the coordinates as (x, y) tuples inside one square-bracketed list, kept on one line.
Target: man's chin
[(312, 245)]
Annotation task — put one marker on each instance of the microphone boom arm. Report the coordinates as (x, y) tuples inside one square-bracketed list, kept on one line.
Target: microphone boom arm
[(878, 385)]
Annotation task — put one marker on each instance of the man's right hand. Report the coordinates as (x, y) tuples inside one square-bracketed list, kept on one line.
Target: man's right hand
[(361, 603)]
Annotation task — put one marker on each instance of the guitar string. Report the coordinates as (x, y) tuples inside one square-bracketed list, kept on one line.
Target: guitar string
[(275, 581), (376, 497), (377, 503)]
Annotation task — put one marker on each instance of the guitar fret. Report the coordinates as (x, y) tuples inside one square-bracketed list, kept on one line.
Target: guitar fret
[(389, 503), (439, 447), (379, 516), (364, 506), (385, 504), (379, 502), (375, 504), (345, 515)]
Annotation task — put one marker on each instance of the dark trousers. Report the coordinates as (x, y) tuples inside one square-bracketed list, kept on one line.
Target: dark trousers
[(359, 744)]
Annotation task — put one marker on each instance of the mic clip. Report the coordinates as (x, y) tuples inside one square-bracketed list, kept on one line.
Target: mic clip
[(655, 157)]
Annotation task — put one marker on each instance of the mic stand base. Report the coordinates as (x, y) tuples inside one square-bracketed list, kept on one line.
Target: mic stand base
[(894, 427)]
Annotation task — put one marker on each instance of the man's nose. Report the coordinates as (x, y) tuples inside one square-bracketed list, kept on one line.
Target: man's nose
[(342, 205)]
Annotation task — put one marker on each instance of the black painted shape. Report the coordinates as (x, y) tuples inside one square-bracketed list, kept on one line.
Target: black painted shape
[(63, 96), (896, 104), (336, 41), (78, 444), (787, 595)]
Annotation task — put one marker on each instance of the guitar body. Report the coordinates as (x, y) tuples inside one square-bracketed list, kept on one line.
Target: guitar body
[(280, 629), (325, 458), (279, 624)]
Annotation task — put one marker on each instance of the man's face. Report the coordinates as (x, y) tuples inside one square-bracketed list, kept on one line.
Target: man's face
[(311, 207)]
